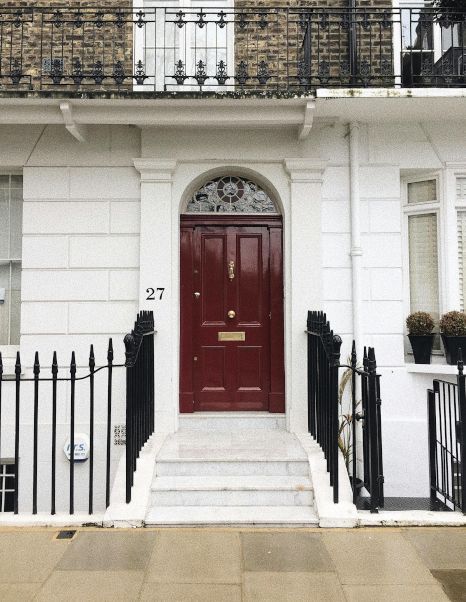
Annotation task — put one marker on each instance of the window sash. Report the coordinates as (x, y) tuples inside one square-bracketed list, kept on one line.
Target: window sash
[(424, 263)]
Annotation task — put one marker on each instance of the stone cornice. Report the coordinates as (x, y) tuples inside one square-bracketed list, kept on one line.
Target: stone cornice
[(155, 170), (304, 170)]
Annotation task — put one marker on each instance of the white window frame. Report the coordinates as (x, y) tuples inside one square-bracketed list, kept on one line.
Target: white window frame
[(459, 205), (432, 207), (4, 462), (9, 351)]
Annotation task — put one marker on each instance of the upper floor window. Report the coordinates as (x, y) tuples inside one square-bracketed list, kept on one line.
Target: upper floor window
[(11, 210), (422, 214), (231, 194)]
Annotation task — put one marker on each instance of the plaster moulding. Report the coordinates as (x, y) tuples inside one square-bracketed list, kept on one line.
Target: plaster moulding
[(155, 170), (304, 170)]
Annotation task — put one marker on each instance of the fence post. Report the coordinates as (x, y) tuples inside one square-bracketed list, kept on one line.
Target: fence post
[(461, 429), (372, 425), (335, 364), (354, 363), (432, 444), (17, 399)]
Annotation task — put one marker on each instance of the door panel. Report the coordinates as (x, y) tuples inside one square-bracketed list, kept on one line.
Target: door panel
[(213, 259), (231, 318)]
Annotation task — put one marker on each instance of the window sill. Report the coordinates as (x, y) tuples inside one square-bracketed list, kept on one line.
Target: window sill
[(431, 369)]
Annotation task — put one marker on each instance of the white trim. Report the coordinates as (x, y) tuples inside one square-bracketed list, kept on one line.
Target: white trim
[(407, 210)]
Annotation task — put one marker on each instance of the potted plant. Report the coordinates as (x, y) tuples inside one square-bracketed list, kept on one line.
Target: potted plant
[(453, 331), (420, 325)]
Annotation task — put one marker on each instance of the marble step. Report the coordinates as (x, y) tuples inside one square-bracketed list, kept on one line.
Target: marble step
[(231, 421), (194, 467), (232, 491), (276, 516)]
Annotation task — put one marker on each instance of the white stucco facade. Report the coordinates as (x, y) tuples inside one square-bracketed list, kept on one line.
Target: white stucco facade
[(101, 225)]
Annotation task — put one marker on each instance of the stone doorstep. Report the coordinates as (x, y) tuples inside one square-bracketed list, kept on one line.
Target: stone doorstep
[(275, 516)]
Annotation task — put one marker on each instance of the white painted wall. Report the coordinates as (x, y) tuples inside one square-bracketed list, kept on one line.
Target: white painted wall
[(86, 269)]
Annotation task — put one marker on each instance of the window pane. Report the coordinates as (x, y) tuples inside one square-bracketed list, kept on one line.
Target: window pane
[(423, 264), (4, 217), (5, 304), (422, 192), (16, 219), (15, 310), (462, 255)]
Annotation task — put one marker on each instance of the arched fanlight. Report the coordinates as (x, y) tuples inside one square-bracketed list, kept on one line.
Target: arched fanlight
[(231, 194)]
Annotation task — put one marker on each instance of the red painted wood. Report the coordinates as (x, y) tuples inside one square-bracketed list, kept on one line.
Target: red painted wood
[(231, 375)]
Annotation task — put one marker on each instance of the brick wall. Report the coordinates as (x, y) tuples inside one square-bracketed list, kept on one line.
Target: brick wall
[(274, 42), (48, 44)]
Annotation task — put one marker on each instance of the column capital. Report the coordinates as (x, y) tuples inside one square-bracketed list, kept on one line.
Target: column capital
[(155, 170), (304, 170)]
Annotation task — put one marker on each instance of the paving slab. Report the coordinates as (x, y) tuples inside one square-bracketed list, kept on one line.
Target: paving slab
[(292, 587), (439, 548), (196, 556), (92, 586), (29, 556), (453, 583), (285, 552), (375, 557), (108, 551), (190, 592), (394, 593)]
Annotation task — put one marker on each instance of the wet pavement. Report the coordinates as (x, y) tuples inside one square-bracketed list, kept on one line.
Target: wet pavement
[(232, 565)]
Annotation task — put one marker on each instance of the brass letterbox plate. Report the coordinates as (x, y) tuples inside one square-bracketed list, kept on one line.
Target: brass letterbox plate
[(232, 336)]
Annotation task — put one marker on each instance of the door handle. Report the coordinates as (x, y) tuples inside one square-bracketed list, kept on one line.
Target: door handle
[(231, 314), (197, 295), (231, 270)]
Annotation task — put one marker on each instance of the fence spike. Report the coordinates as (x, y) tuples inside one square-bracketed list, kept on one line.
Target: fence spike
[(1, 364), (18, 363), (460, 361), (54, 363), (91, 358), (36, 369), (110, 350), (73, 363)]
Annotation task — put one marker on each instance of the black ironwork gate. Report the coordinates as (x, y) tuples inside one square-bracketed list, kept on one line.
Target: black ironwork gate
[(446, 403)]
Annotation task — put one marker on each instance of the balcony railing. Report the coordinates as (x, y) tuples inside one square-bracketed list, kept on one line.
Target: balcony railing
[(241, 50)]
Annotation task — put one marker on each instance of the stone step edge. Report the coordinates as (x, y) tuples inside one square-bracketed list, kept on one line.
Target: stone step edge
[(232, 515), (213, 459), (231, 483)]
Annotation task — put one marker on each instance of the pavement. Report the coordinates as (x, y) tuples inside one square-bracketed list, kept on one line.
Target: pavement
[(233, 565)]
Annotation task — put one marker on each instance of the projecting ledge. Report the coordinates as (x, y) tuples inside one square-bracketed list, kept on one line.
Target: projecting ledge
[(431, 369)]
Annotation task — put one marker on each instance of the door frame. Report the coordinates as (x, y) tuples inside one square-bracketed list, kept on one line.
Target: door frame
[(188, 222)]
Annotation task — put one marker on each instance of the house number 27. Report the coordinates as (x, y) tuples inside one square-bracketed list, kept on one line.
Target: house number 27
[(152, 292)]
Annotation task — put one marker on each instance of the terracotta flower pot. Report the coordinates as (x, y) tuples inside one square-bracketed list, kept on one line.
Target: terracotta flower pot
[(421, 345)]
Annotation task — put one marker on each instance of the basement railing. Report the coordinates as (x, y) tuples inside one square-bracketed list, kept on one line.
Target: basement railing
[(77, 409), (446, 404), (333, 420), (242, 50)]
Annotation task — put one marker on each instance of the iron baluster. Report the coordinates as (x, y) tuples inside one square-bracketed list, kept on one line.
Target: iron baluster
[(72, 418), (54, 428), (91, 428), (17, 409), (36, 371)]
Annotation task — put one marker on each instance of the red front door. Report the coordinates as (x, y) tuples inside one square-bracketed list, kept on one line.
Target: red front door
[(231, 315)]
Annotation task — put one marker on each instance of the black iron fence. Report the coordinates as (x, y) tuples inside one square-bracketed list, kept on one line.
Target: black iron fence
[(139, 392), (446, 403), (220, 49), (335, 429), (56, 394)]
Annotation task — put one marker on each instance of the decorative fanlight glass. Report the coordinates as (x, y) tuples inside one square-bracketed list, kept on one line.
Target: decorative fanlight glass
[(231, 194)]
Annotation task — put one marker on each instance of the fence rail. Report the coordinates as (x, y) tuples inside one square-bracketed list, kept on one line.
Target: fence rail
[(47, 403), (446, 403), (229, 49), (327, 420)]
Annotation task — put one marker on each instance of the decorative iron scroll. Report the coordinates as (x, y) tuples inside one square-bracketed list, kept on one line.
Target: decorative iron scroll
[(231, 194)]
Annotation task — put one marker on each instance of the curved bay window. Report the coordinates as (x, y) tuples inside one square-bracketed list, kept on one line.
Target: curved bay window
[(231, 194)]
